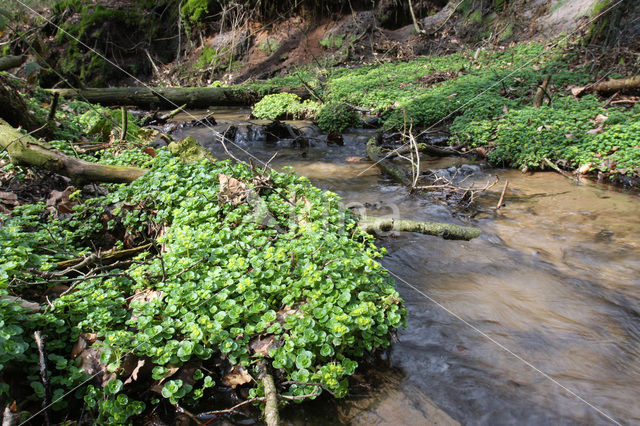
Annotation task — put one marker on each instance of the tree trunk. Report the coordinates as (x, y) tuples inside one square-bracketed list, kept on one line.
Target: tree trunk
[(192, 97), (444, 230), (15, 111), (8, 62), (27, 151)]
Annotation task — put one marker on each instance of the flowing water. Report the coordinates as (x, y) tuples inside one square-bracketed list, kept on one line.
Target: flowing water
[(507, 328)]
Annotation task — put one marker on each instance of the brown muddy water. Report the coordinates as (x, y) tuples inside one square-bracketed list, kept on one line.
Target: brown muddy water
[(535, 322)]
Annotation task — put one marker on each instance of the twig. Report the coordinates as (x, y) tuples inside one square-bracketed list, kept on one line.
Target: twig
[(504, 190), (557, 169), (293, 382), (272, 418), (234, 408), (54, 106), (43, 376), (125, 122), (190, 267)]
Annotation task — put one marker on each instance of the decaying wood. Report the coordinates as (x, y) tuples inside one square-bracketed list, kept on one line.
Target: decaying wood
[(11, 415), (376, 155), (618, 85), (15, 111), (8, 62), (124, 120), (444, 230), (501, 200), (538, 99), (192, 97), (432, 24), (104, 258), (25, 150), (43, 376), (272, 418)]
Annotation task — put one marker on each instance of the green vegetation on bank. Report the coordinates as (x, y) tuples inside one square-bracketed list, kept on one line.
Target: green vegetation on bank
[(487, 102), (281, 273)]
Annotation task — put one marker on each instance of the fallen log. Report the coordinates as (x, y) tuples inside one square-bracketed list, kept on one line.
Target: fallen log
[(425, 148), (9, 61), (618, 85), (192, 97), (376, 155), (444, 230), (24, 149)]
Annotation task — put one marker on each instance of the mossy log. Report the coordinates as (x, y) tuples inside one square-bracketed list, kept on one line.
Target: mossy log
[(25, 150), (191, 97), (8, 62), (444, 230), (376, 155)]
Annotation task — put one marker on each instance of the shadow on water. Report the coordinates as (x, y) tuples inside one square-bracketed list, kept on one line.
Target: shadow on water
[(555, 278)]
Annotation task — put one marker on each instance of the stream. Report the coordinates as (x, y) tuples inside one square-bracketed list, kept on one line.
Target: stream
[(516, 326)]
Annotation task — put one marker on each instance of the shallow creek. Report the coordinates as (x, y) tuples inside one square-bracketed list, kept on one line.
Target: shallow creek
[(554, 279)]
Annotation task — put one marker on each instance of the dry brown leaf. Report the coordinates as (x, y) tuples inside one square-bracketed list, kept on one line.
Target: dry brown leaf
[(261, 345), (236, 376), (231, 190), (150, 151), (144, 296), (59, 201), (600, 119), (584, 168), (577, 91), (595, 131)]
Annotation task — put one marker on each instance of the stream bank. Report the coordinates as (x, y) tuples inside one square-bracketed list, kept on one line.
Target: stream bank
[(553, 278)]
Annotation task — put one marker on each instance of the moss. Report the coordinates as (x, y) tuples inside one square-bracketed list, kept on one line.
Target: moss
[(269, 46), (190, 150), (476, 17), (507, 33)]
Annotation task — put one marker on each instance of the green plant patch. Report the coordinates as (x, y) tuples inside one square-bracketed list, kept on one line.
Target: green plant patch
[(572, 132), (335, 117), (269, 46), (285, 106), (279, 271)]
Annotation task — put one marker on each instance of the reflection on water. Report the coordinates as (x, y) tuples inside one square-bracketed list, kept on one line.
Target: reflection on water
[(555, 278)]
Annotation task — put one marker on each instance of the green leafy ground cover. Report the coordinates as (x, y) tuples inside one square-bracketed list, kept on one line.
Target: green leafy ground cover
[(283, 275), (488, 103)]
